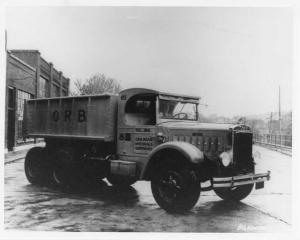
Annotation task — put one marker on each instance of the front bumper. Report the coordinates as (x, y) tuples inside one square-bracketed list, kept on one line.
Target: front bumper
[(221, 182)]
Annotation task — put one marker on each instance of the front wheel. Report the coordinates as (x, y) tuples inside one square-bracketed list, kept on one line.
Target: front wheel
[(236, 193), (175, 189)]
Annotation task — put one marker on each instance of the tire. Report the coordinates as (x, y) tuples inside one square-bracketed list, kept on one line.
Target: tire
[(37, 168), (175, 189), (65, 169), (120, 181), (234, 194), (72, 172)]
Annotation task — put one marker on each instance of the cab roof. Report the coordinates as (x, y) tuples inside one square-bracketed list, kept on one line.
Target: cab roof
[(151, 91)]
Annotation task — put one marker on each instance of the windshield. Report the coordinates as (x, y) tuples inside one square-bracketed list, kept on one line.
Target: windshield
[(172, 109)]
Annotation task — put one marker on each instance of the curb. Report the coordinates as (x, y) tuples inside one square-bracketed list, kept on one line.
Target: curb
[(20, 153), (14, 160)]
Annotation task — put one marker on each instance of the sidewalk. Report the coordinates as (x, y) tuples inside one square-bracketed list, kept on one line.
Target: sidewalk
[(284, 150), (20, 152)]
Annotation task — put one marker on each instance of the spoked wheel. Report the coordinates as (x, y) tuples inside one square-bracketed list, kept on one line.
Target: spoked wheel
[(236, 193), (176, 189), (37, 168)]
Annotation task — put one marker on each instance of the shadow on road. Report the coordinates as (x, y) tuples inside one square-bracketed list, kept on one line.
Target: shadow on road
[(110, 195), (221, 207), (129, 197)]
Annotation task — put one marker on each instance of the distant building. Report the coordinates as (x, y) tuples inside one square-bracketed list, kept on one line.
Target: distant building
[(28, 75)]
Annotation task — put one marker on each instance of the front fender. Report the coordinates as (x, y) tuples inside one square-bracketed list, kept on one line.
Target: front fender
[(189, 151)]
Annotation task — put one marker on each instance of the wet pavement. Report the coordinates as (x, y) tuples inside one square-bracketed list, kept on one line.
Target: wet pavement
[(107, 208)]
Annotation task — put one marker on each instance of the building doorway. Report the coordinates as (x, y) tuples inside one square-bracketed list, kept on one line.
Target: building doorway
[(11, 96), (21, 97)]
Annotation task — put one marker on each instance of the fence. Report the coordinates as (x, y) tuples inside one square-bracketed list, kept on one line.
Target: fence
[(274, 140)]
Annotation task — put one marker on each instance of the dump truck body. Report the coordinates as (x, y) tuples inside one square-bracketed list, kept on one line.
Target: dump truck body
[(81, 117)]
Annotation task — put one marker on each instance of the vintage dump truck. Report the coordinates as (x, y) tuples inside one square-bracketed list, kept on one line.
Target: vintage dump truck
[(140, 134)]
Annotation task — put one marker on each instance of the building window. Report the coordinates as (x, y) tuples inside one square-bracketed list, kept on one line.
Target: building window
[(10, 98), (57, 91), (43, 90), (21, 96)]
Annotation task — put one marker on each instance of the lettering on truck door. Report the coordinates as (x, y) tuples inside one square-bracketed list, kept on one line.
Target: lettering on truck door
[(143, 141)]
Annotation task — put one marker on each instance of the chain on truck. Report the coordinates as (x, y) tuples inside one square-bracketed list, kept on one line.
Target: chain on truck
[(140, 134)]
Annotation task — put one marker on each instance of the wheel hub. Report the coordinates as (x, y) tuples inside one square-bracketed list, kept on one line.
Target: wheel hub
[(170, 186)]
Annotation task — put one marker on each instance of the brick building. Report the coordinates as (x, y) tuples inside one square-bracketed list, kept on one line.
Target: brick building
[(28, 75)]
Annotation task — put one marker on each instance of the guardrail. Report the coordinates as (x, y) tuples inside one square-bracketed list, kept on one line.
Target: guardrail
[(282, 143)]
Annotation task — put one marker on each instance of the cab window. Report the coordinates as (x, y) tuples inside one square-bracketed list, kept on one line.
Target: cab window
[(140, 110)]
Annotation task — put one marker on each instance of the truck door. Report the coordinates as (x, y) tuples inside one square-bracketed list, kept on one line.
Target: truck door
[(136, 131)]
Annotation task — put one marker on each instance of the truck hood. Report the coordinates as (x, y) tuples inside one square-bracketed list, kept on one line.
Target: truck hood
[(196, 125)]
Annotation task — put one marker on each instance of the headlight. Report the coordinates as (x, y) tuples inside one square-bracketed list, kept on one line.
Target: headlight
[(160, 137), (226, 158)]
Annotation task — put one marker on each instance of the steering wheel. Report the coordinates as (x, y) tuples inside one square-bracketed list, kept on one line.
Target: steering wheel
[(177, 115)]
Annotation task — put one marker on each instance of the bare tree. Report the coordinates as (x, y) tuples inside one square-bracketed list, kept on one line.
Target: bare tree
[(96, 84)]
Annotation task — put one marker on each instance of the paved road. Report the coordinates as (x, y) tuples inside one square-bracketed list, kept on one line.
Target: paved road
[(29, 207)]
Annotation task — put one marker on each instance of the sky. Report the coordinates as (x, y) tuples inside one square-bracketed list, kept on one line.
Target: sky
[(233, 58)]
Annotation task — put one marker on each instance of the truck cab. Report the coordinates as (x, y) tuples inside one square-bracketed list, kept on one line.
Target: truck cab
[(141, 134), (142, 115)]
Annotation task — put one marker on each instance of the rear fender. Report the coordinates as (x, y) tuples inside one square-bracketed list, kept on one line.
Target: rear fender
[(191, 153)]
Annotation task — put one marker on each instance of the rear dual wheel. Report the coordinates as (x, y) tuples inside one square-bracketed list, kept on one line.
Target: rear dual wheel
[(39, 168), (60, 169)]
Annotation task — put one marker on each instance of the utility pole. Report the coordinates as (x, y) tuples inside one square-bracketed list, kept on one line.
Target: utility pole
[(5, 40)]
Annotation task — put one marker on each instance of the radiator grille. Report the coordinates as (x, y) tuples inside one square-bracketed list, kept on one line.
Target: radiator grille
[(204, 143), (242, 150)]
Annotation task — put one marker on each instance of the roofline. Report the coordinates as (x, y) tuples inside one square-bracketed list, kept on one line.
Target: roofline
[(24, 50), (11, 51), (20, 61)]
